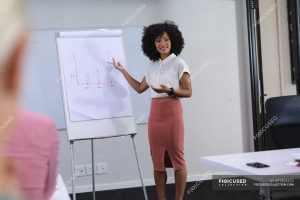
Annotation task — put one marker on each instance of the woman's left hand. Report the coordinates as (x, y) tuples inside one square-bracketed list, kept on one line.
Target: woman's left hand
[(162, 89)]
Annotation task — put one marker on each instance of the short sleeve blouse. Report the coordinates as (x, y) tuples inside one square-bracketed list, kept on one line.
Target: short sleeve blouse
[(166, 72)]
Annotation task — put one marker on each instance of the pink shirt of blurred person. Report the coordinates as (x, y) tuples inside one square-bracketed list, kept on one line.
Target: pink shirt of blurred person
[(33, 148)]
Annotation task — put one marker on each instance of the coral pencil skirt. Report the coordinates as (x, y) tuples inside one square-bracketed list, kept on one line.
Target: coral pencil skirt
[(166, 134)]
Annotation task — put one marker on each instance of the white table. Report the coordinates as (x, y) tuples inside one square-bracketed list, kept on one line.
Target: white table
[(236, 163), (61, 192)]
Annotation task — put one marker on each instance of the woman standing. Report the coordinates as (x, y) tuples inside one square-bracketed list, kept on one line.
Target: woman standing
[(169, 80)]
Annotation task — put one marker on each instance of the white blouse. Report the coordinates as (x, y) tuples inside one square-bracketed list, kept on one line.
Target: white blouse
[(166, 72)]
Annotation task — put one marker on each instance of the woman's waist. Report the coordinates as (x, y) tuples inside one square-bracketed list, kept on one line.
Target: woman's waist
[(165, 101), (165, 106), (165, 98)]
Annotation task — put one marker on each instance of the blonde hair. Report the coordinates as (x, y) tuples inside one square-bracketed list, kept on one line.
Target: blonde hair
[(12, 24)]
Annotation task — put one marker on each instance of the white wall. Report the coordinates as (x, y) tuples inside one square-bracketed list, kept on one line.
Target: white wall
[(275, 48), (217, 117)]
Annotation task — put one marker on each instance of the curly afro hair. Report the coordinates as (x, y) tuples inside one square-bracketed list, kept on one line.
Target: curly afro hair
[(156, 30)]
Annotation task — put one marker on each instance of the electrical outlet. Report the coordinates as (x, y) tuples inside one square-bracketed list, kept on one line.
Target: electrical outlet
[(80, 170), (89, 170), (101, 168)]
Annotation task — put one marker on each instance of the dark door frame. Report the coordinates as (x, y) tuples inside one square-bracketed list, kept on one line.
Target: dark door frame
[(293, 8), (256, 74)]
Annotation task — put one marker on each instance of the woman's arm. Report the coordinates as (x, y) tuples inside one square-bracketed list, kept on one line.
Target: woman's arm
[(185, 89), (139, 87)]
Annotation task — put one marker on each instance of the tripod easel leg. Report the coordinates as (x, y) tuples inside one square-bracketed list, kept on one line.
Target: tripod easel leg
[(93, 169), (139, 167), (73, 169)]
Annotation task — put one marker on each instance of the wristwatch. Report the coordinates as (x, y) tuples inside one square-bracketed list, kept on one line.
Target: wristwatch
[(171, 93)]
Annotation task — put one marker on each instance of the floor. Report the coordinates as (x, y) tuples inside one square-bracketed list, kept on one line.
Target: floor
[(201, 191)]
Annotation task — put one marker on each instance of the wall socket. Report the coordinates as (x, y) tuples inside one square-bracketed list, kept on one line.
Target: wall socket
[(86, 170), (80, 171), (101, 168)]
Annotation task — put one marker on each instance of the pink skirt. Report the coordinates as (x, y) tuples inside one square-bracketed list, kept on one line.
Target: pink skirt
[(166, 134)]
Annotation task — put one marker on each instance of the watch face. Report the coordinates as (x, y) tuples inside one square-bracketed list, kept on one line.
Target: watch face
[(171, 92)]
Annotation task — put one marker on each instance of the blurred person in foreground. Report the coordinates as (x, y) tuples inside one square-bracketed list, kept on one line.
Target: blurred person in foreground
[(28, 141), (12, 44)]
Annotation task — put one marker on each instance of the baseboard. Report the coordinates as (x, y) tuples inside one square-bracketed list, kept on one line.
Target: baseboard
[(137, 183)]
